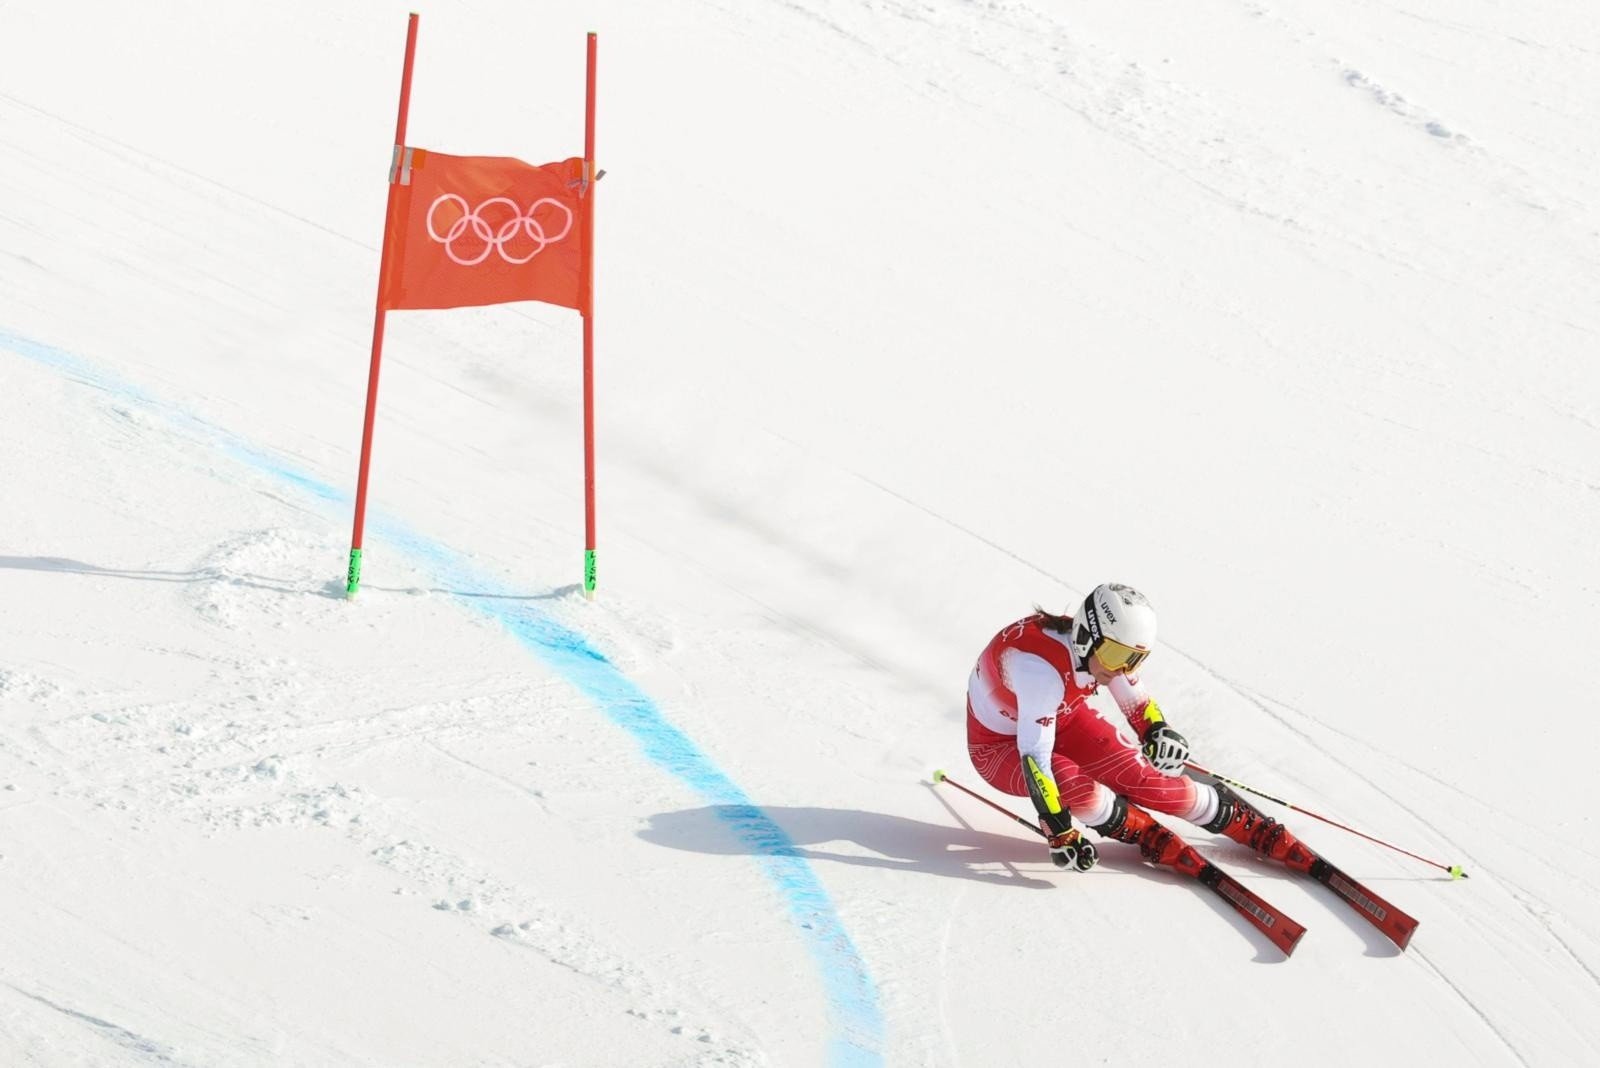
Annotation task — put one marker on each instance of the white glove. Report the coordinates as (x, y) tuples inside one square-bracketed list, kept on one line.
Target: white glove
[(1073, 850), (1166, 749)]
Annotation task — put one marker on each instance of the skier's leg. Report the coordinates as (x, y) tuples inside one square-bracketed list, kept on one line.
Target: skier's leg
[(1103, 809), (994, 756), (1096, 745), (1132, 824)]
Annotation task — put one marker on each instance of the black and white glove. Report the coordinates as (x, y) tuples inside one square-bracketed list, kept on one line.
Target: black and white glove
[(1166, 749), (1071, 849)]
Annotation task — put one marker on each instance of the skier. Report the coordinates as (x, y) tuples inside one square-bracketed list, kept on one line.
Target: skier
[(1031, 732)]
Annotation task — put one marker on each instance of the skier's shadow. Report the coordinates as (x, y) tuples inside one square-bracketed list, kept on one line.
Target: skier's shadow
[(901, 844), (878, 840)]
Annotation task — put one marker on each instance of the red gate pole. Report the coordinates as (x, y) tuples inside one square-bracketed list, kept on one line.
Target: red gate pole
[(353, 574), (591, 179)]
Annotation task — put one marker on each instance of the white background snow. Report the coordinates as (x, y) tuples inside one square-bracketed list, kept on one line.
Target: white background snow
[(911, 314)]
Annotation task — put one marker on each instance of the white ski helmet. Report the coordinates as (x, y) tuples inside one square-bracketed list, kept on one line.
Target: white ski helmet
[(1117, 622)]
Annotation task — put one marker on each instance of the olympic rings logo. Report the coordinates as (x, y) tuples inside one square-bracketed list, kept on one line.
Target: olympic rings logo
[(496, 236)]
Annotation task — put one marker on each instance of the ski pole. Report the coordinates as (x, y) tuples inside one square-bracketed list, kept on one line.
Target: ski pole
[(939, 776), (1454, 869)]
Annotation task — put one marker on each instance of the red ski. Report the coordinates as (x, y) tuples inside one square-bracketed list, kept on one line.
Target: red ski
[(1396, 925), (1274, 841), (1280, 930)]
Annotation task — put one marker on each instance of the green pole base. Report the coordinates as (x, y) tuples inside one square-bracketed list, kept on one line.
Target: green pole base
[(352, 577), (588, 573), (938, 775)]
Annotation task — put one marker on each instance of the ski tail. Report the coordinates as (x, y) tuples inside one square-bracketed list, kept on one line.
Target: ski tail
[(1161, 845), (1280, 929), (1276, 925), (1165, 848), (1396, 925)]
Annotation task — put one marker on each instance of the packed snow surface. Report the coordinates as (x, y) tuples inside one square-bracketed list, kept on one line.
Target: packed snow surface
[(911, 314)]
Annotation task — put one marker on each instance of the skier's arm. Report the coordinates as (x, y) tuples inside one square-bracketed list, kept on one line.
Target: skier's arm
[(1039, 689), (1136, 704), (1162, 746)]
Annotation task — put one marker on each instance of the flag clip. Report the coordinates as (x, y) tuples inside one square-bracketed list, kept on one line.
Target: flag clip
[(401, 165), (581, 184)]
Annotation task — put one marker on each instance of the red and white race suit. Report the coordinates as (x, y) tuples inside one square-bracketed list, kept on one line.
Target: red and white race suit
[(1028, 696)]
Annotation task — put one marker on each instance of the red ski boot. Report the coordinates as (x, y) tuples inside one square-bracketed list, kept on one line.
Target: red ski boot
[(1244, 823), (1132, 824)]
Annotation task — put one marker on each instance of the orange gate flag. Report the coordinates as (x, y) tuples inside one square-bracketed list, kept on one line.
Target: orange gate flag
[(469, 230)]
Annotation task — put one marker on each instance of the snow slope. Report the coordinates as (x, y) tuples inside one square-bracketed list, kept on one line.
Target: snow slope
[(912, 313)]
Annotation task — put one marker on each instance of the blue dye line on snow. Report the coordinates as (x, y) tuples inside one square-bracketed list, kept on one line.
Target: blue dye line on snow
[(852, 996)]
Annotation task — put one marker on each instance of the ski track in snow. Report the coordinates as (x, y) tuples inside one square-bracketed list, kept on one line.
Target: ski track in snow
[(1538, 910), (145, 1050), (1477, 1011), (851, 995)]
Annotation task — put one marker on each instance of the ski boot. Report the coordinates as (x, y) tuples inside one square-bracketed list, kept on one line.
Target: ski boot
[(1241, 821), (1132, 824)]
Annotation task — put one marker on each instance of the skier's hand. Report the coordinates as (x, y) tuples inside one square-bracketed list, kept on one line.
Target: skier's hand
[(1071, 849), (1166, 749)]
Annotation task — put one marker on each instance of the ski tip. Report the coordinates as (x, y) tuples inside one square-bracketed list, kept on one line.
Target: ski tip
[(1457, 873), (938, 775)]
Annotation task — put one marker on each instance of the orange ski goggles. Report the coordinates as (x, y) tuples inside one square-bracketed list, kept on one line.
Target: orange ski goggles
[(1118, 658)]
